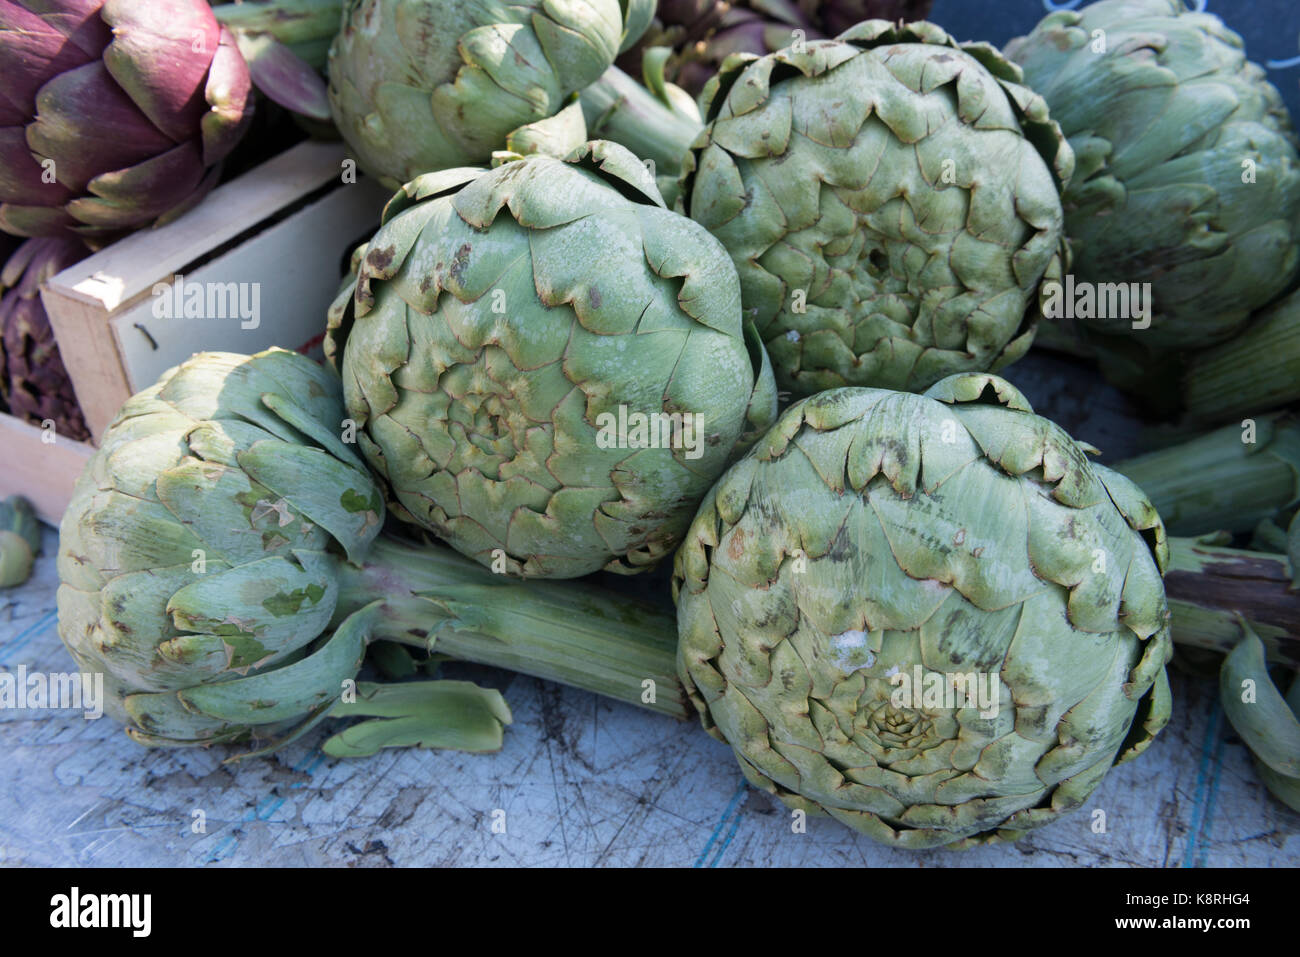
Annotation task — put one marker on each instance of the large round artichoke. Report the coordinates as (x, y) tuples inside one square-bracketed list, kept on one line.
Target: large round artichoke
[(879, 556), (1188, 176), (890, 200), (34, 385), (113, 114), (423, 85), (201, 552), (549, 366)]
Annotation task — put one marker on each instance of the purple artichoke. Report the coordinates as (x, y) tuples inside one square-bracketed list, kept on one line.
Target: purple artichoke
[(114, 114), (702, 33), (35, 386)]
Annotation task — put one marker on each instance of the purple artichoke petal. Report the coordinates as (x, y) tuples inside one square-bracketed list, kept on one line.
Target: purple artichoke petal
[(35, 220), (34, 382), (229, 93), (133, 196), (134, 103), (85, 120), (284, 76), (36, 47), (153, 57), (20, 173)]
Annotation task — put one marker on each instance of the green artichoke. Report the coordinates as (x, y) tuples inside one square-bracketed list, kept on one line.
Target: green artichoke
[(418, 86), (202, 549), (891, 202), (879, 558), (548, 366), (1188, 176), (20, 540), (219, 566)]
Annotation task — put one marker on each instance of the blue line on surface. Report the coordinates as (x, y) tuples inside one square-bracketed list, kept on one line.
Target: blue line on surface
[(1206, 780), (27, 634), (735, 800), (1202, 858), (735, 826)]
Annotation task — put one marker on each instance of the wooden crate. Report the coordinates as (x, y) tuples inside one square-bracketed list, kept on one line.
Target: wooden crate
[(284, 229), (43, 467), (281, 232)]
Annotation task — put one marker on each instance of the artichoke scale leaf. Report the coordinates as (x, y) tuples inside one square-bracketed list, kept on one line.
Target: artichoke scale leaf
[(260, 609), (1266, 722), (457, 715), (270, 697), (233, 517), (341, 499)]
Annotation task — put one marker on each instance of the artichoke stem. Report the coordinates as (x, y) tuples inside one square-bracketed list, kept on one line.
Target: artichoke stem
[(1219, 481), (580, 635), (1212, 590), (620, 109)]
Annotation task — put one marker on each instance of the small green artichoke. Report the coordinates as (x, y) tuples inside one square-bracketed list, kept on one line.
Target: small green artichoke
[(200, 554), (1188, 176), (891, 201), (20, 540), (927, 616), (547, 365), (417, 86)]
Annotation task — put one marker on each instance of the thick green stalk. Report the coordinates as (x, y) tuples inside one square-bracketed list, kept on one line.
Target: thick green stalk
[(576, 634), (1212, 589), (305, 26), (620, 109), (1220, 481), (1253, 372)]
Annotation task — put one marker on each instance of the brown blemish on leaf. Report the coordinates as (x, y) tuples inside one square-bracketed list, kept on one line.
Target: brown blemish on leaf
[(380, 257), (736, 545)]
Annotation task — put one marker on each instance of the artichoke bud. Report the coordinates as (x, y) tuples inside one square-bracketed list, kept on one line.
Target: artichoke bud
[(200, 557), (423, 85), (891, 201), (132, 106), (928, 616), (20, 540), (1188, 179), (547, 365)]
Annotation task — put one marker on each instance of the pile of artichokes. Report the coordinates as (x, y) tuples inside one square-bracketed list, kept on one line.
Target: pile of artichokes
[(906, 601)]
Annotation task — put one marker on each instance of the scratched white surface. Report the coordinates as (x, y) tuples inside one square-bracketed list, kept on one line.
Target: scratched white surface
[(582, 782)]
